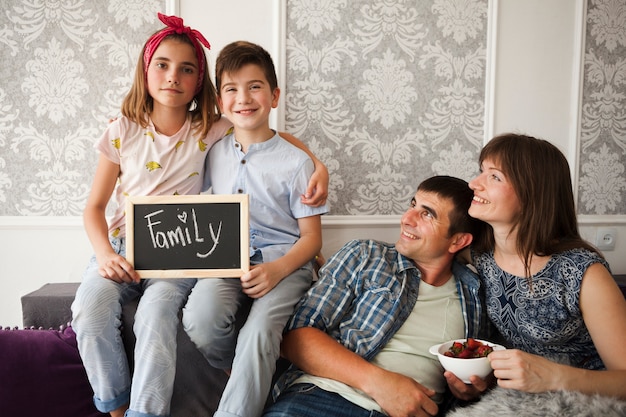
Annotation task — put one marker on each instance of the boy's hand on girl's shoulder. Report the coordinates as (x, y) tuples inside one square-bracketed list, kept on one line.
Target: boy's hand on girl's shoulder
[(317, 190), (313, 199), (260, 280)]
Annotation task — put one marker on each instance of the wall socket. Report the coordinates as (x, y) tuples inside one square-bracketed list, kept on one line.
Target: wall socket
[(605, 238)]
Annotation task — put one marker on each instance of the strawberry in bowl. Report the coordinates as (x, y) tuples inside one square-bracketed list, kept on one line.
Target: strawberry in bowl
[(465, 357)]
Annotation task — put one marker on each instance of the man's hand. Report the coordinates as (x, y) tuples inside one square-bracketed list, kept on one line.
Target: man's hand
[(401, 396), (468, 392)]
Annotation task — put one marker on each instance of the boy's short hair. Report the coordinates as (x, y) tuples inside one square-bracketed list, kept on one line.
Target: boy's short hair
[(237, 54)]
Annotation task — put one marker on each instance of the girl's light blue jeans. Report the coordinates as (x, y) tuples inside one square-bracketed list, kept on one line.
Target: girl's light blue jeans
[(97, 311)]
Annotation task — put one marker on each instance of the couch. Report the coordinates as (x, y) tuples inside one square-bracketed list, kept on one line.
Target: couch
[(46, 374), (52, 379)]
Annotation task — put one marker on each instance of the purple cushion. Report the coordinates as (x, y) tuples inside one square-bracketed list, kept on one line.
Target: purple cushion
[(42, 375)]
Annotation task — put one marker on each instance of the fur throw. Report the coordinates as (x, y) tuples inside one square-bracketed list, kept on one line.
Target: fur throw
[(502, 402)]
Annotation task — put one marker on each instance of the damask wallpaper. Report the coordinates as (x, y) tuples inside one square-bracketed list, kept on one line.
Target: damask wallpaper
[(66, 67), (387, 93), (602, 181), (384, 92)]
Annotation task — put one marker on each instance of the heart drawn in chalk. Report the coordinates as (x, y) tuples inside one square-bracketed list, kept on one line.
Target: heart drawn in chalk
[(183, 217)]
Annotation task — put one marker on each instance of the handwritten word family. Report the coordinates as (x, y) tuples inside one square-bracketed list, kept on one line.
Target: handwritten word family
[(183, 234)]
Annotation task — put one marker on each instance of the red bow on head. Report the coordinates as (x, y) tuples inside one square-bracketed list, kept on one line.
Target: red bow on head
[(175, 23)]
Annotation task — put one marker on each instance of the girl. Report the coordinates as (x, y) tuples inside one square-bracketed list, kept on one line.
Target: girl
[(550, 293), (158, 147)]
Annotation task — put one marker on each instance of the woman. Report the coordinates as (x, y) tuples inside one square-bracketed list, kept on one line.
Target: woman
[(549, 293)]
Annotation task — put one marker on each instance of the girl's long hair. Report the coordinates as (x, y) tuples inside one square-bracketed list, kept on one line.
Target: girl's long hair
[(540, 175), (138, 104)]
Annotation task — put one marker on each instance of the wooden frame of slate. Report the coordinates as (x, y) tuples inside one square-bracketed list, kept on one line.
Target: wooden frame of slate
[(188, 236)]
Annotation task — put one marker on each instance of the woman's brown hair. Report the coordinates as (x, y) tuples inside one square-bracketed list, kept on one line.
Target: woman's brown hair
[(540, 175)]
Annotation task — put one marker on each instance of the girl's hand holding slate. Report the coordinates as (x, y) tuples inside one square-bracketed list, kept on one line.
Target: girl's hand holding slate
[(118, 269)]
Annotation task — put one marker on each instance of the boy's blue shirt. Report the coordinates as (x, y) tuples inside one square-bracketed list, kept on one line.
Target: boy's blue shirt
[(274, 174)]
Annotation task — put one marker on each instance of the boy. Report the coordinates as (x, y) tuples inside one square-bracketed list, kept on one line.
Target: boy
[(285, 234)]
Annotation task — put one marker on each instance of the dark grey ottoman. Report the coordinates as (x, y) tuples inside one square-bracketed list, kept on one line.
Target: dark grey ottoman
[(49, 306)]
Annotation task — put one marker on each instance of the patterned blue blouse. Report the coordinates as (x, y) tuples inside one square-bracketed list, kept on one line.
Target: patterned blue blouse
[(545, 318)]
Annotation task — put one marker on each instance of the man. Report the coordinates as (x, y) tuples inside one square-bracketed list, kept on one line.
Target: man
[(359, 338)]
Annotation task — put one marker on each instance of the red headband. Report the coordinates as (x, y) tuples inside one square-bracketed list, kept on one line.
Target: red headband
[(175, 25)]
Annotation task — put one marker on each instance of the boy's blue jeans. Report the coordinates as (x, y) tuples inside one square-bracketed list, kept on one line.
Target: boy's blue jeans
[(96, 312), (307, 400), (209, 318)]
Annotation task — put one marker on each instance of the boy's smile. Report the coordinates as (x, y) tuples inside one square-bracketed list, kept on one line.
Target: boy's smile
[(246, 100)]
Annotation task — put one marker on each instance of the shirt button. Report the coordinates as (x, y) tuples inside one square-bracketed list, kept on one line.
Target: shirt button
[(243, 161), (240, 191)]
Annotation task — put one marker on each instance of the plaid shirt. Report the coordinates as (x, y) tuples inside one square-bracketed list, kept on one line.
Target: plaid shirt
[(364, 294)]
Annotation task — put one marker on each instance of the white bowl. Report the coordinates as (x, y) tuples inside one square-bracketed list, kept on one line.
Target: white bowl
[(464, 368)]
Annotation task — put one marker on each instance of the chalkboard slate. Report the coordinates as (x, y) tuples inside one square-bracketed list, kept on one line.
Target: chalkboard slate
[(188, 236)]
